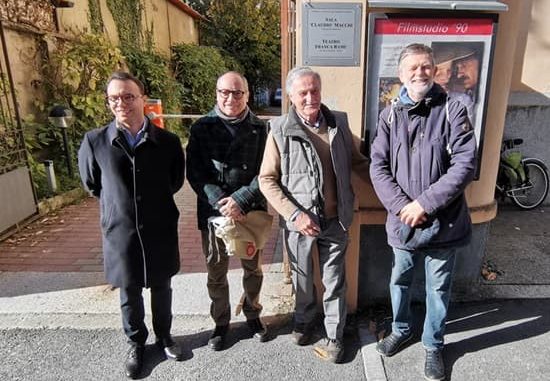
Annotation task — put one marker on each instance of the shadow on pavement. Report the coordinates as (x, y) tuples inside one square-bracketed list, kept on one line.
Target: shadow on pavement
[(280, 325), (503, 340), (497, 323)]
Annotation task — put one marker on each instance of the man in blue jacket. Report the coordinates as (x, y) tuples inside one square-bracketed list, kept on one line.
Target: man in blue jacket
[(423, 157), (134, 168)]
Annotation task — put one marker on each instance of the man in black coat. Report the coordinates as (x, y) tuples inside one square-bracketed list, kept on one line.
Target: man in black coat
[(224, 154), (134, 168)]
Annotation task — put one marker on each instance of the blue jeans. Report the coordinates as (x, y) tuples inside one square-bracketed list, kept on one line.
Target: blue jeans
[(438, 267)]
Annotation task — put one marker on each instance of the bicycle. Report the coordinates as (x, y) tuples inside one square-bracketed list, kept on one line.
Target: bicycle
[(523, 179)]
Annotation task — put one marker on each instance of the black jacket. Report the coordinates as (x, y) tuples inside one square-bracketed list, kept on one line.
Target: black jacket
[(135, 188), (220, 165)]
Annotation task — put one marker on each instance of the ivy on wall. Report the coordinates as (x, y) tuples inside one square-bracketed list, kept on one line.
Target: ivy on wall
[(94, 16), (74, 74), (127, 17)]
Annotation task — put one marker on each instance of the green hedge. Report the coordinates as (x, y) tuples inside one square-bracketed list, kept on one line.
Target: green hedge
[(197, 69), (153, 70)]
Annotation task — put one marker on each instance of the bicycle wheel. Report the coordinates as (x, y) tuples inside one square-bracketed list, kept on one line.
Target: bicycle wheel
[(535, 192)]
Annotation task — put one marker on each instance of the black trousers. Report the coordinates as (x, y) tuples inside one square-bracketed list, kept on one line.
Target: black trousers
[(133, 312)]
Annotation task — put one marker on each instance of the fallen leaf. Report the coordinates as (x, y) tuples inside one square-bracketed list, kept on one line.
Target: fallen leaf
[(488, 275)]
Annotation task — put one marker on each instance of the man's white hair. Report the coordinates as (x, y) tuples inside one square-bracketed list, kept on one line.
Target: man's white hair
[(298, 72)]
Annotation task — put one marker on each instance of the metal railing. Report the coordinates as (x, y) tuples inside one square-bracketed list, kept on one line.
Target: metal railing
[(153, 115)]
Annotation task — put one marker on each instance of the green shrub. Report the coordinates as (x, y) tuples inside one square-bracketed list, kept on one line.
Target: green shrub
[(74, 74), (197, 68), (154, 71)]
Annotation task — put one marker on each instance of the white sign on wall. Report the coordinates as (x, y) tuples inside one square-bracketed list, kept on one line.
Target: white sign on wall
[(332, 34)]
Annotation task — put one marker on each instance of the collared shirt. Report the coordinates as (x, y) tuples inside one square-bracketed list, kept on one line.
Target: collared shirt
[(130, 138), (317, 123)]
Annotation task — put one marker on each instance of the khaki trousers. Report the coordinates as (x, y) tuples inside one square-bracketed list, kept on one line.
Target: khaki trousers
[(218, 287)]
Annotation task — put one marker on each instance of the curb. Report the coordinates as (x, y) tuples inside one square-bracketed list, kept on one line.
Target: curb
[(372, 361), (57, 202)]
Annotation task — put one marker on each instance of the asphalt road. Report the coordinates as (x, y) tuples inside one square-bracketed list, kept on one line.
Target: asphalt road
[(99, 354)]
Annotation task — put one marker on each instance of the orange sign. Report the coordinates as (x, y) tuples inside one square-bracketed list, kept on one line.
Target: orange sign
[(153, 108)]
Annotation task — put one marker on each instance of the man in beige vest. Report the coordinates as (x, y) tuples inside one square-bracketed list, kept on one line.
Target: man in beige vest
[(305, 149)]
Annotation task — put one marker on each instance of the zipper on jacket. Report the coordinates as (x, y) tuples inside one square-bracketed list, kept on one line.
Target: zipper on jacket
[(331, 136), (316, 168)]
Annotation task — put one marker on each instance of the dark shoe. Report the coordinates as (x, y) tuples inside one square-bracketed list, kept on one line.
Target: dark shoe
[(258, 329), (302, 334), (172, 350), (434, 368), (330, 350), (217, 340), (391, 344), (134, 361)]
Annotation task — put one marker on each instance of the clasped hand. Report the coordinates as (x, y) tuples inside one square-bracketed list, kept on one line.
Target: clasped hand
[(229, 208), (306, 226), (413, 214)]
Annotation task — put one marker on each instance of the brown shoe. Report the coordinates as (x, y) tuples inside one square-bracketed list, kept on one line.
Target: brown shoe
[(330, 350)]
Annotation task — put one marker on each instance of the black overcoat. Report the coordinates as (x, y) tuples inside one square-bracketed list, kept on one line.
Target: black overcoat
[(136, 189)]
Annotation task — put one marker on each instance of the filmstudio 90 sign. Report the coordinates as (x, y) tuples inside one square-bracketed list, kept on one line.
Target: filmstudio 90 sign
[(331, 34)]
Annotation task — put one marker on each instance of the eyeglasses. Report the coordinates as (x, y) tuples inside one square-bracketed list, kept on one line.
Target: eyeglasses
[(224, 93), (126, 98)]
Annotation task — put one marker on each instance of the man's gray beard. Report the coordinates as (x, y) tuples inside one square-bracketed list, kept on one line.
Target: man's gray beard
[(425, 91)]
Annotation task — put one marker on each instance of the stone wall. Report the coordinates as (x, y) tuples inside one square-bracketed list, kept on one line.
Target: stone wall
[(34, 13)]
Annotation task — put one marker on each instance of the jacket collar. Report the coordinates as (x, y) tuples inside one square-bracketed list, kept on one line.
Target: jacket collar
[(435, 96), (213, 118), (295, 125), (151, 131)]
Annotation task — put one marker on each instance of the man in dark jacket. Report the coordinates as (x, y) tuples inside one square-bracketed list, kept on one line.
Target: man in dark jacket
[(224, 154), (134, 168), (423, 157)]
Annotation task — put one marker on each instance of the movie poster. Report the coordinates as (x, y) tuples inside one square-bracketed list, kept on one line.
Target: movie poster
[(462, 53)]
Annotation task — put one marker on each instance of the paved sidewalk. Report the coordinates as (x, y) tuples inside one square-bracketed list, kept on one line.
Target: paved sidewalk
[(52, 294), (500, 340), (69, 240)]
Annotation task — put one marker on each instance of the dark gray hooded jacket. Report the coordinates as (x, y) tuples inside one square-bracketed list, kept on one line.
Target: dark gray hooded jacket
[(425, 152)]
